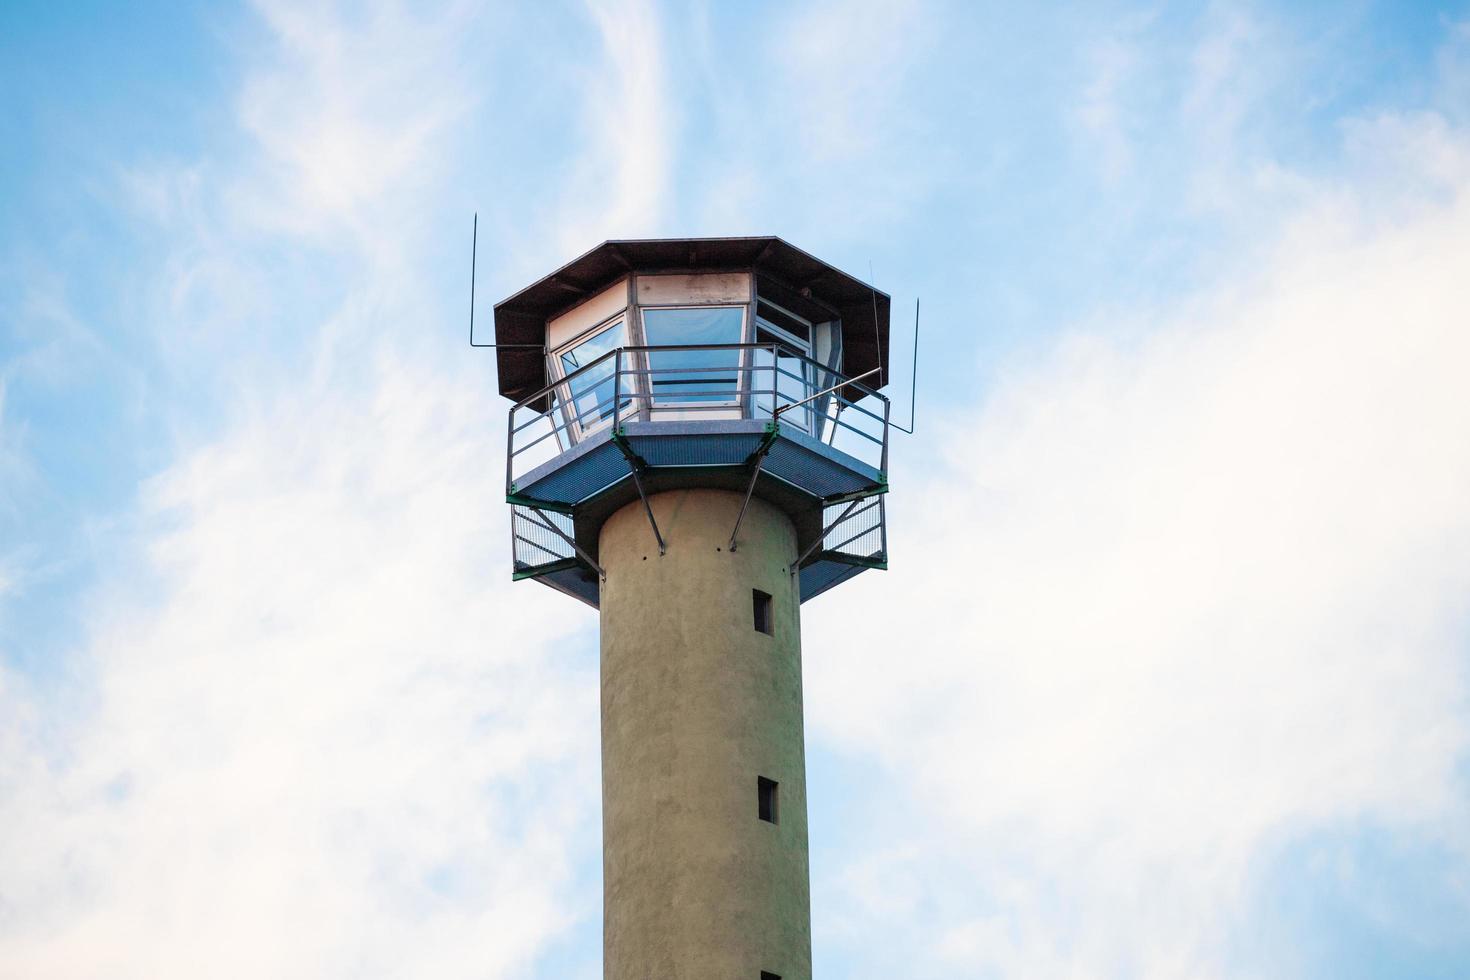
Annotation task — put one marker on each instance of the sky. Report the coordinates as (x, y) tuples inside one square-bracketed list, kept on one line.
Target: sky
[(1168, 676)]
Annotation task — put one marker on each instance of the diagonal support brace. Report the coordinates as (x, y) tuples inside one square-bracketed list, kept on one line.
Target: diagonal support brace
[(635, 466), (796, 565), (756, 460), (545, 522)]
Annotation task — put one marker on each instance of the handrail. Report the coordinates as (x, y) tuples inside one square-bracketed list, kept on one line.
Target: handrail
[(624, 397), (698, 388), (819, 394), (770, 346)]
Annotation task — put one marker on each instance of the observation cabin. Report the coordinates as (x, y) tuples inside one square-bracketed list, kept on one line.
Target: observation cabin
[(736, 364)]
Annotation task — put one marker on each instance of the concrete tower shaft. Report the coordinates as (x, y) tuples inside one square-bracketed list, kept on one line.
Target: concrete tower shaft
[(703, 773)]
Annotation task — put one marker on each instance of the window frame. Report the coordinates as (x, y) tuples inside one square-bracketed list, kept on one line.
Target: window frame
[(576, 431), (805, 348), (741, 370)]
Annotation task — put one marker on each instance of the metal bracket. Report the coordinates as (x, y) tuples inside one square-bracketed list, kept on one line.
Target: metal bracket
[(546, 523), (863, 494), (796, 565), (621, 441), (636, 464), (755, 461)]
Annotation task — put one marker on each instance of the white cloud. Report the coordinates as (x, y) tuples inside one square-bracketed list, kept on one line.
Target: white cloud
[(351, 117), (1189, 595), (843, 65), (13, 464), (622, 187), (1189, 114), (1180, 600), (1453, 64), (812, 107), (328, 751), (1099, 111), (312, 732), (46, 347)]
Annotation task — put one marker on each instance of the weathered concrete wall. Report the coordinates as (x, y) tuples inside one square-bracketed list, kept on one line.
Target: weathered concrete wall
[(696, 704)]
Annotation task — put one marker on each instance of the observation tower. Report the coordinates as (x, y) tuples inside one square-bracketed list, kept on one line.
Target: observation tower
[(698, 445)]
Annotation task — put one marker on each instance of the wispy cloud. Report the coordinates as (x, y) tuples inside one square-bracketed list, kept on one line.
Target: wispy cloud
[(622, 188), (303, 758), (814, 118), (1198, 596), (1181, 108), (843, 71), (303, 736), (1100, 111), (1183, 594), (12, 462), (350, 120)]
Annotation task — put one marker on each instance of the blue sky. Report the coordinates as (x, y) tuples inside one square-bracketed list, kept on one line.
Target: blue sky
[(1184, 522)]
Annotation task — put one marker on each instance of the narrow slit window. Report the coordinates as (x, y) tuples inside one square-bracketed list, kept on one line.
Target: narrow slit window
[(766, 803), (762, 604), (768, 975)]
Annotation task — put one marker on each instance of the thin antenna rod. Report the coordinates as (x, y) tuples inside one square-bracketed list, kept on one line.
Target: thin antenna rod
[(474, 243), (878, 346), (914, 381), (877, 336)]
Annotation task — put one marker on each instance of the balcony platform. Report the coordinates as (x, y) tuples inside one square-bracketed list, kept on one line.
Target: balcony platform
[(813, 483)]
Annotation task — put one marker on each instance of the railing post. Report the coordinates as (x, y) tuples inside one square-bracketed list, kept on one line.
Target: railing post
[(775, 380), (510, 436), (887, 408), (617, 388)]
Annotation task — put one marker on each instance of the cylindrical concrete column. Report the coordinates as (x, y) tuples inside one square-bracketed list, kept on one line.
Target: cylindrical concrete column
[(698, 706)]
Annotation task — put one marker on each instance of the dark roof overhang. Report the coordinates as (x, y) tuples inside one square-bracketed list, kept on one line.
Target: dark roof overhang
[(779, 266)]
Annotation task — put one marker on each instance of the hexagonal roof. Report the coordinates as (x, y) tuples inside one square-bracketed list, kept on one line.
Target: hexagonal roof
[(784, 272)]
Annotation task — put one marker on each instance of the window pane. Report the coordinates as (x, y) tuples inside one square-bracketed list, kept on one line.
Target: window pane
[(790, 378), (693, 375), (796, 327), (592, 390)]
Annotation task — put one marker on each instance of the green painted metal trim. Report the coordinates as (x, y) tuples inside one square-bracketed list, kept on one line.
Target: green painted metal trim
[(846, 559), (621, 441), (547, 569), (773, 430), (842, 498), (518, 500)]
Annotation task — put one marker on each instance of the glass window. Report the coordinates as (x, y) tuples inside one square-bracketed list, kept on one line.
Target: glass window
[(693, 375), (785, 321), (591, 392), (782, 377)]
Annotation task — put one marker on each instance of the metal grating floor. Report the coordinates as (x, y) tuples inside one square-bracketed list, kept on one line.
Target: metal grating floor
[(574, 481), (794, 457)]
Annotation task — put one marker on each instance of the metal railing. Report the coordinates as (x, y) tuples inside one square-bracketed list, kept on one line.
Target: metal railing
[(859, 530), (693, 382), (534, 543)]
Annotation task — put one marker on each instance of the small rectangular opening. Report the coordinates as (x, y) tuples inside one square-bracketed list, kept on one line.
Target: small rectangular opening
[(768, 975), (762, 603), (766, 804)]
